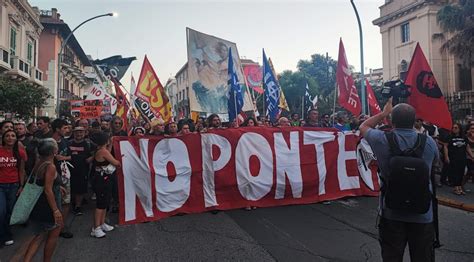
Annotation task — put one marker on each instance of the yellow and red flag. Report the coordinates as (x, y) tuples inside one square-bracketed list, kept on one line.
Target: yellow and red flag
[(122, 105), (151, 90)]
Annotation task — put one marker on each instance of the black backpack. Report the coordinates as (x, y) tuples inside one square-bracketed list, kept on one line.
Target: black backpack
[(406, 188)]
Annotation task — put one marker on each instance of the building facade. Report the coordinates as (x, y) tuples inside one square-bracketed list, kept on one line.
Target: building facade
[(171, 89), (75, 65), (182, 93), (20, 30), (403, 24)]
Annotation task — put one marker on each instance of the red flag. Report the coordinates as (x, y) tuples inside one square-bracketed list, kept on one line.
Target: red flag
[(348, 97), (426, 96), (122, 105), (373, 104)]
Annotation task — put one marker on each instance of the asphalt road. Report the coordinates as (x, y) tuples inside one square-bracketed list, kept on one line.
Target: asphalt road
[(341, 231)]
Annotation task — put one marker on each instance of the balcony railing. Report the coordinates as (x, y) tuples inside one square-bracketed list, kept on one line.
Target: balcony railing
[(4, 55), (4, 60), (68, 60), (68, 95), (20, 67)]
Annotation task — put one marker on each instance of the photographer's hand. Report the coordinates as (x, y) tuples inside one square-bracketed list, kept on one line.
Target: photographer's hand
[(374, 120)]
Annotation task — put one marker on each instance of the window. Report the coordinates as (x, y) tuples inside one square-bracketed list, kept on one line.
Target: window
[(13, 41), (405, 32), (29, 53), (465, 79)]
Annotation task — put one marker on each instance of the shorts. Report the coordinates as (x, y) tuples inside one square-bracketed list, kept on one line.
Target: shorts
[(103, 190), (66, 199), (79, 183), (40, 227)]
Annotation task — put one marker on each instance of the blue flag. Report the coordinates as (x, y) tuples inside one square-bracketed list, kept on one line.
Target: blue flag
[(236, 100), (272, 90)]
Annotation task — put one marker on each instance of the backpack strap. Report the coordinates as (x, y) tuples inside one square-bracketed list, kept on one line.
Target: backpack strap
[(393, 144), (419, 147)]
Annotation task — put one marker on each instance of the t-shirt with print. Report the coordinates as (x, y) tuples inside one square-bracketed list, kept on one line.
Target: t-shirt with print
[(8, 165), (80, 151), (457, 148), (406, 138)]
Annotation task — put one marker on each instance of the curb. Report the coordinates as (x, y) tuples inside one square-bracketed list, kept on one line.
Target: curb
[(456, 204)]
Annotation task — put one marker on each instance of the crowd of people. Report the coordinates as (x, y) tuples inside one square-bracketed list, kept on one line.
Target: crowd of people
[(74, 159)]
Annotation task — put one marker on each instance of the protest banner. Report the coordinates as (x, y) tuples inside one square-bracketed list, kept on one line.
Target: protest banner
[(86, 109), (236, 168)]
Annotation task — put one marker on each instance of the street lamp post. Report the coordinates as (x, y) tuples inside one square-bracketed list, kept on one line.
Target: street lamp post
[(58, 93), (362, 80)]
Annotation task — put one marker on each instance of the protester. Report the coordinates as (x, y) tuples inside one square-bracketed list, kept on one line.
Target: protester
[(185, 129), (43, 128), (455, 156), (326, 121), (81, 157), (470, 157), (250, 121), (5, 126), (147, 127), (399, 227), (46, 217), (59, 127), (21, 133), (68, 132), (283, 122), (200, 124), (105, 126), (158, 127), (31, 129), (138, 131), (295, 119), (313, 119), (419, 129), (171, 130), (341, 122), (104, 164), (117, 127), (12, 176), (213, 121)]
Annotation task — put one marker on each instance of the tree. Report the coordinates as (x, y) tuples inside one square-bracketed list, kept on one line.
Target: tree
[(456, 19), (322, 69), (21, 98), (293, 85)]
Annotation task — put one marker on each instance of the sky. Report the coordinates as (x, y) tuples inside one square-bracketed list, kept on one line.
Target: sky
[(289, 30)]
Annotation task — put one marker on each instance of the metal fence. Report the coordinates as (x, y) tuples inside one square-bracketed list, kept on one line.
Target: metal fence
[(460, 105)]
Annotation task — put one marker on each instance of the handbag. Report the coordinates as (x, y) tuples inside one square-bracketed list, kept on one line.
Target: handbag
[(27, 201)]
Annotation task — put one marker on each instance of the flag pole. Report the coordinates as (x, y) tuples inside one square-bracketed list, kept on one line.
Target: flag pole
[(334, 106), (235, 107), (302, 106)]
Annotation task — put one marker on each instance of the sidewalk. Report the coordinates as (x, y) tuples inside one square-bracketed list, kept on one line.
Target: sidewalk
[(446, 197)]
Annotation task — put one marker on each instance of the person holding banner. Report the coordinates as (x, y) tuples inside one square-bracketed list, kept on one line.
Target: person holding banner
[(105, 165)]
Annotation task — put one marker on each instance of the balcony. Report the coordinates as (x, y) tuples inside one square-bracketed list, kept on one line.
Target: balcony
[(4, 60), (65, 94), (36, 76), (19, 68)]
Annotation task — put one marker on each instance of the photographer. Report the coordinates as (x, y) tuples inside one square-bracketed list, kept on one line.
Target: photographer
[(401, 224)]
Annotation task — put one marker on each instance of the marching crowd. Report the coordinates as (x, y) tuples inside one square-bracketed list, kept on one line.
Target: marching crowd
[(70, 159)]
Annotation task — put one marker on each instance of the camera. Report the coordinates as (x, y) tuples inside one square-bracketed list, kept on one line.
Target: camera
[(396, 89)]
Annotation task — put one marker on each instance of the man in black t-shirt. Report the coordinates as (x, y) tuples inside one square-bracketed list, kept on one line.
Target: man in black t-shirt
[(81, 157)]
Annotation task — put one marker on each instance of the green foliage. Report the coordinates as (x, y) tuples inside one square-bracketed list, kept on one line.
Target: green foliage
[(456, 18), (320, 74), (21, 97)]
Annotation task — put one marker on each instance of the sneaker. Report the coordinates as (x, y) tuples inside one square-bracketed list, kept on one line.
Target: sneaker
[(9, 242), (97, 232), (78, 211), (106, 228), (93, 197), (66, 234)]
